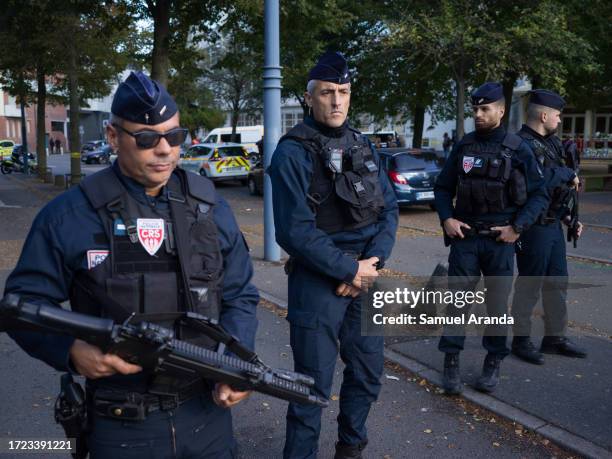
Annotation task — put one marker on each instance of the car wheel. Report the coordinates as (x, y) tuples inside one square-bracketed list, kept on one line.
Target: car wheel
[(5, 169), (244, 182), (203, 173), (252, 186)]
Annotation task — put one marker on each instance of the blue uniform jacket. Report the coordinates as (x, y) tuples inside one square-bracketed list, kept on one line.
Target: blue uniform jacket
[(446, 185), (56, 248), (291, 173)]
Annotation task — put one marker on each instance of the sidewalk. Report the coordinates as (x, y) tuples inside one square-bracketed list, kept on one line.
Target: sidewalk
[(568, 401)]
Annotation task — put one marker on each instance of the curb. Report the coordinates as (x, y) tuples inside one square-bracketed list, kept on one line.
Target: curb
[(561, 437), (603, 261), (598, 226)]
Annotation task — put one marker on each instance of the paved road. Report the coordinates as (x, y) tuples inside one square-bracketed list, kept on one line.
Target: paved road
[(410, 420)]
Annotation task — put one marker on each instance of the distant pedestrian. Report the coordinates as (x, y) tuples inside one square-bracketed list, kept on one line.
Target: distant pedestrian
[(51, 146), (58, 146), (447, 143)]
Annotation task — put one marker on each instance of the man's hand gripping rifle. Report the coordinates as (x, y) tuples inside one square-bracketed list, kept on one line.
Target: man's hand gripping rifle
[(572, 160), (154, 347)]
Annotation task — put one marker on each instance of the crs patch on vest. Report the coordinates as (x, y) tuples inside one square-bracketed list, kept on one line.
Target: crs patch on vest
[(150, 233), (95, 257), (470, 162)]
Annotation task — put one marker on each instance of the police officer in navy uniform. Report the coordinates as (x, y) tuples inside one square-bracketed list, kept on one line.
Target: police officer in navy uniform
[(499, 193), (157, 241), (540, 254), (336, 216)]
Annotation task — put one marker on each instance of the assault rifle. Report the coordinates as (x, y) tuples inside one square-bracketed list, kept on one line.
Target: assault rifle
[(572, 160), (154, 347)]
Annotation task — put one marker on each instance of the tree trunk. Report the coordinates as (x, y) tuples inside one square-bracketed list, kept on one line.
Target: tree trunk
[(234, 120), (161, 41), (303, 103), (418, 123), (460, 108), (75, 140), (508, 84), (41, 142), (24, 134)]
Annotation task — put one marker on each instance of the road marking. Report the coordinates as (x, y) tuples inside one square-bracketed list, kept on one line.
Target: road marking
[(6, 205)]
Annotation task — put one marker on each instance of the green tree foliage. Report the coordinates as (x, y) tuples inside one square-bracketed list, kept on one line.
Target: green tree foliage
[(234, 64), (590, 87)]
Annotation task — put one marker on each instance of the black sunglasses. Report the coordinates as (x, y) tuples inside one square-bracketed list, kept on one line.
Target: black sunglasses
[(150, 139)]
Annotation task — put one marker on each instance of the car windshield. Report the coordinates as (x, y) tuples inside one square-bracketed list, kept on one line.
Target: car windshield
[(409, 161), (224, 152)]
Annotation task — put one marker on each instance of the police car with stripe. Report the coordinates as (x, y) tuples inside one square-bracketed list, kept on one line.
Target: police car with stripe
[(217, 161)]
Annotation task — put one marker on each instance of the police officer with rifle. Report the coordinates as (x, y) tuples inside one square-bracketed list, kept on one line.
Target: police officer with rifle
[(141, 238), (499, 193), (540, 254)]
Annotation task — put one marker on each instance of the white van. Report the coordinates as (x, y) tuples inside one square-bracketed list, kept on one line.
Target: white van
[(247, 136)]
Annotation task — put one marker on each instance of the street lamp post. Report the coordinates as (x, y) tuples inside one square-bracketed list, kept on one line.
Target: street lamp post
[(272, 118)]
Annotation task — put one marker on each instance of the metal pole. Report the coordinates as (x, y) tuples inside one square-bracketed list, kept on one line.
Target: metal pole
[(272, 118)]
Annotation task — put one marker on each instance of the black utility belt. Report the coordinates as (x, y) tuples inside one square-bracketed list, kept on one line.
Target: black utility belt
[(136, 406), (545, 220), (483, 229), (291, 261)]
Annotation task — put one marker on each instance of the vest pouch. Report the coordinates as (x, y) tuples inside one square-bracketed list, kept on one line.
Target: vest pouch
[(496, 196), (517, 187), (464, 196), (479, 197), (160, 294), (207, 305), (507, 169), (495, 166), (126, 290), (559, 197), (358, 195), (205, 255)]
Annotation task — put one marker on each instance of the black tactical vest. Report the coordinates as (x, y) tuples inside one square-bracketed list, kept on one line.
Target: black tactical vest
[(550, 155), (153, 286), (345, 191), (487, 181)]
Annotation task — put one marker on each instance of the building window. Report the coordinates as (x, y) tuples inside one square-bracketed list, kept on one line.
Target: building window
[(603, 125), (57, 126), (290, 119), (572, 126), (245, 119)]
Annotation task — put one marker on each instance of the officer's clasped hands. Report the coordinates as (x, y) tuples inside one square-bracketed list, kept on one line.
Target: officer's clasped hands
[(365, 273), (348, 290), (452, 227), (89, 361)]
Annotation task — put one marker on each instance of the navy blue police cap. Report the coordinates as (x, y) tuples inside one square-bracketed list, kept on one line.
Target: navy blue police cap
[(142, 100), (488, 93), (331, 66), (547, 99)]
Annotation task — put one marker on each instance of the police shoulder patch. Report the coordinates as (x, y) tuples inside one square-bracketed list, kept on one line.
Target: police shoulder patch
[(95, 257)]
